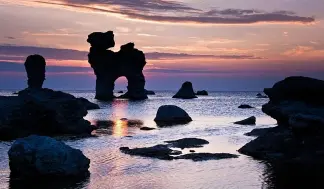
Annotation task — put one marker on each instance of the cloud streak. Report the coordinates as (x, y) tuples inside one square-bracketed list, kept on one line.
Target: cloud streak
[(174, 12)]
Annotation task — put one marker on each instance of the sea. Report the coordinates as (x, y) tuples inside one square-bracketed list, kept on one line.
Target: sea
[(213, 118)]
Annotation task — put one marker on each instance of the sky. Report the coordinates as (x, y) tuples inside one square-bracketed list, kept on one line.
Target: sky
[(220, 45)]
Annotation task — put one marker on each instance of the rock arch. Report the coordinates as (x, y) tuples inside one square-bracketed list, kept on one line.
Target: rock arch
[(108, 66)]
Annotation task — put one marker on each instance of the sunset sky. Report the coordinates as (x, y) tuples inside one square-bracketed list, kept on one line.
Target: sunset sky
[(216, 44)]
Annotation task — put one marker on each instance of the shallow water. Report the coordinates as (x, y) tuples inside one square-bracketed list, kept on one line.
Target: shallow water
[(213, 118)]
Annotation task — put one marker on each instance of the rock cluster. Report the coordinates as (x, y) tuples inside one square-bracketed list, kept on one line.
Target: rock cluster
[(186, 91), (44, 156), (43, 112), (298, 106), (108, 66)]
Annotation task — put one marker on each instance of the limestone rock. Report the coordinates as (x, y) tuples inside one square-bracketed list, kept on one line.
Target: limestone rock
[(35, 156), (186, 91)]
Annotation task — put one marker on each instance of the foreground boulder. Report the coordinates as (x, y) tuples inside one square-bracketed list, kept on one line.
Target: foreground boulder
[(44, 156), (297, 105), (202, 93), (170, 115), (186, 91), (43, 112), (248, 121)]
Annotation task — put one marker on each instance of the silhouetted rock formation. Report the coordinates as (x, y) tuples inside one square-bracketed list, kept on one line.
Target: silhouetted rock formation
[(245, 106), (259, 95), (186, 91), (36, 156), (248, 121), (187, 143), (298, 106), (43, 112), (258, 132), (35, 68), (202, 93), (148, 92), (109, 66), (171, 115)]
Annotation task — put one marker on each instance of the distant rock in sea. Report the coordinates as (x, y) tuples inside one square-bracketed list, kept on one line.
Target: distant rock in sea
[(297, 104), (171, 115), (148, 92), (186, 91), (259, 95), (245, 106), (202, 93), (37, 156), (248, 121)]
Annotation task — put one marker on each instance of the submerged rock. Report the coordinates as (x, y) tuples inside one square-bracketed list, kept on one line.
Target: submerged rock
[(248, 121), (43, 112), (44, 156), (206, 156), (202, 93), (158, 151), (163, 152), (186, 91), (258, 132), (187, 143), (170, 115), (245, 106), (297, 105)]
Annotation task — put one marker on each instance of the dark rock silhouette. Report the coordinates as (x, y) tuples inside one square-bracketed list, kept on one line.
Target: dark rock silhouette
[(120, 92), (245, 106), (248, 121), (258, 132), (163, 152), (44, 156), (171, 115), (147, 128), (187, 143), (297, 105), (108, 66), (202, 93), (148, 92), (186, 91), (43, 112), (35, 68)]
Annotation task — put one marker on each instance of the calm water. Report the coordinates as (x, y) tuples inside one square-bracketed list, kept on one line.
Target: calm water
[(213, 118)]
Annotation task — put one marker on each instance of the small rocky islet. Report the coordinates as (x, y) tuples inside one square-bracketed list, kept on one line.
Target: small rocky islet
[(295, 102)]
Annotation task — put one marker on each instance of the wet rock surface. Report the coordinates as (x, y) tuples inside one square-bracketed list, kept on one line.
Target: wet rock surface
[(186, 91), (248, 121), (108, 66), (43, 112), (171, 115), (297, 104), (44, 156), (187, 143)]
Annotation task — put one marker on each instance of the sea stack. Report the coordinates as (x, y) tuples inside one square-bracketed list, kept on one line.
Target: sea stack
[(186, 91), (108, 66), (35, 68)]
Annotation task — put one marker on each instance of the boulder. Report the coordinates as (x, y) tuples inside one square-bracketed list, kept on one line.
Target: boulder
[(43, 112), (259, 95), (258, 132), (202, 93), (170, 114), (245, 106), (187, 143), (297, 105), (147, 128), (186, 91), (248, 121), (36, 156)]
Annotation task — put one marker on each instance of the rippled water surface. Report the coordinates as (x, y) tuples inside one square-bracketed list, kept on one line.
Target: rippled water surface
[(213, 118)]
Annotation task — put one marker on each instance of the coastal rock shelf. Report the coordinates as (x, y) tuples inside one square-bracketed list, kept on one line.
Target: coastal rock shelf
[(298, 106)]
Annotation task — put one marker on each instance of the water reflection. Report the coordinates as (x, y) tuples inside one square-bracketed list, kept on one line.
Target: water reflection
[(283, 176), (117, 128), (49, 183)]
